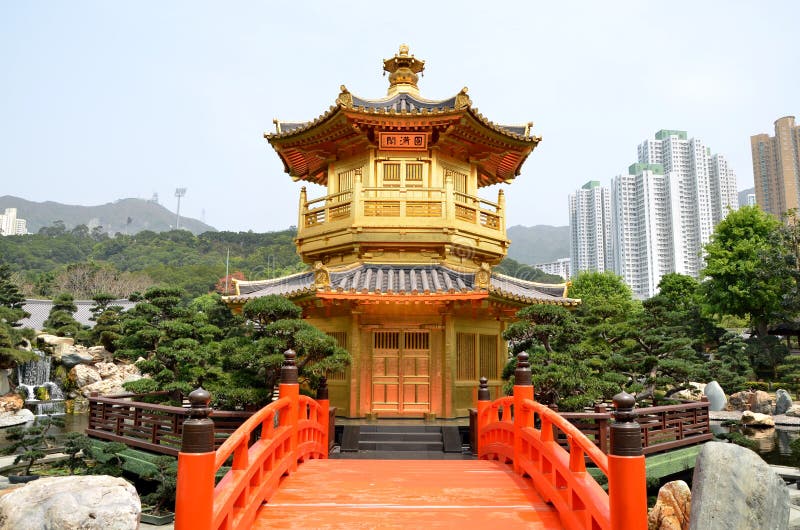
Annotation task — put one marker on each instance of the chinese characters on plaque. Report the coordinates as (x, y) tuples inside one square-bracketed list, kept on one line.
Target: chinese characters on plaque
[(413, 141)]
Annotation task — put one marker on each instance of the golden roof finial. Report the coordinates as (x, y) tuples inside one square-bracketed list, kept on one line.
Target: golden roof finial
[(403, 69)]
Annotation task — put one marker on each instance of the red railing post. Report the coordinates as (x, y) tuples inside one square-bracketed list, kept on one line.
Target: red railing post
[(324, 412), (194, 495), (627, 485), (289, 388), (484, 402), (523, 389)]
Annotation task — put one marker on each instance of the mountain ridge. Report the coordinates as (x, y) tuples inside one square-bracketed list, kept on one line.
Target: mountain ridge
[(127, 216)]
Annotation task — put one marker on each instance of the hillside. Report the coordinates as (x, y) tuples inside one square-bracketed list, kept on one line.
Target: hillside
[(538, 244), (113, 217)]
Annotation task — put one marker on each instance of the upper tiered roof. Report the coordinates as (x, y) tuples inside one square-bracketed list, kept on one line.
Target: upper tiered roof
[(453, 125)]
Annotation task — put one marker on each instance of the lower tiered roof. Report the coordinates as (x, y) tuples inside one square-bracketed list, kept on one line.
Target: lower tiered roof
[(403, 280)]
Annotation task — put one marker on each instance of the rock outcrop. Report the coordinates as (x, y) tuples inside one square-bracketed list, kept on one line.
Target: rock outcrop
[(754, 419), (86, 502), (783, 401), (673, 507), (693, 393), (716, 396), (7, 419), (733, 488), (83, 375), (753, 400)]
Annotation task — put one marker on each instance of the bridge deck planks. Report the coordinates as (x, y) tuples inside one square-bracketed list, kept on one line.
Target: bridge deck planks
[(388, 494)]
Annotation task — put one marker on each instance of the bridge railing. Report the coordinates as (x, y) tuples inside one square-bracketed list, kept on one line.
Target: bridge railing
[(267, 447), (519, 431)]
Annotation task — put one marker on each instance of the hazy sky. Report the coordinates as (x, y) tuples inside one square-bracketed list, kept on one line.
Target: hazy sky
[(107, 100)]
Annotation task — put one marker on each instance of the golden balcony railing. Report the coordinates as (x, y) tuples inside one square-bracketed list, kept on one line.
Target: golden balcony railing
[(402, 202)]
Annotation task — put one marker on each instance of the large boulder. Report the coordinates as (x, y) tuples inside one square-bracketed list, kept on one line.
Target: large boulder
[(783, 401), (7, 419), (716, 396), (754, 419), (76, 356), (84, 375), (100, 354), (733, 488), (11, 402), (672, 509), (107, 387), (81, 502), (794, 411), (753, 400)]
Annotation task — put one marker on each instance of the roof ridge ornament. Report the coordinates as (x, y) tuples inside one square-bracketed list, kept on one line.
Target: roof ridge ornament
[(403, 69), (345, 98)]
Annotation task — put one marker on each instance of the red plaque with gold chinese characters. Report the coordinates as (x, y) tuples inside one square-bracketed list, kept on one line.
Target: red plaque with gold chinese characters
[(410, 141)]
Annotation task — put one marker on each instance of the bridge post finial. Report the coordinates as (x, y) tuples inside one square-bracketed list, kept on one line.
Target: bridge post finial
[(483, 390), (194, 490), (289, 368), (626, 433), (627, 484), (198, 430), (522, 375)]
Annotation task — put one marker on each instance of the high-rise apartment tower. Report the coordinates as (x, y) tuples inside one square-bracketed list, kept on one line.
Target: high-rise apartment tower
[(776, 167)]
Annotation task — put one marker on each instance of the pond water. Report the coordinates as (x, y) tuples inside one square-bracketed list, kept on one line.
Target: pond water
[(773, 443), (72, 423)]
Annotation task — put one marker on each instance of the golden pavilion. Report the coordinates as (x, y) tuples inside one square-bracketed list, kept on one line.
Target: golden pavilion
[(401, 247)]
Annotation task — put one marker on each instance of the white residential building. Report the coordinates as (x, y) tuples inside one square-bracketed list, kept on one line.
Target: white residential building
[(666, 208), (559, 267), (10, 225), (590, 229)]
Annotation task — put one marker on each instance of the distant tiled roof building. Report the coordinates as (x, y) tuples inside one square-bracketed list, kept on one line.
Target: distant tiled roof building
[(40, 310)]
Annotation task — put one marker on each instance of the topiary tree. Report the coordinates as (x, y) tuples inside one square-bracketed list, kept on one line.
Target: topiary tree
[(276, 326), (61, 321)]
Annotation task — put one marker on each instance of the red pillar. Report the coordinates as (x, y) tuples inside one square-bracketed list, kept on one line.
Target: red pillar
[(627, 484), (289, 388), (523, 389), (484, 403)]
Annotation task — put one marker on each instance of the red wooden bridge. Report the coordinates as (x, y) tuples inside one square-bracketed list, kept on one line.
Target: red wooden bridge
[(280, 476)]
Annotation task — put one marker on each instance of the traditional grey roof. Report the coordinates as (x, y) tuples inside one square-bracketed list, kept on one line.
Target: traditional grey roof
[(40, 310), (403, 280), (404, 102), (523, 290)]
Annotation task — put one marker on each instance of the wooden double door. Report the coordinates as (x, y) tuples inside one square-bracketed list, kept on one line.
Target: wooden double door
[(401, 372)]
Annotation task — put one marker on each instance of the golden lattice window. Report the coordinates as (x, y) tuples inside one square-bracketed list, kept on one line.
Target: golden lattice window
[(414, 172), (476, 357), (345, 180), (391, 172)]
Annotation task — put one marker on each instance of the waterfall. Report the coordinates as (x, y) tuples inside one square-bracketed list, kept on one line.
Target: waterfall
[(33, 375)]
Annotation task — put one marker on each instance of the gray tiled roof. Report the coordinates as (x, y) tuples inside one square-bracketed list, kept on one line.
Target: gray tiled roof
[(40, 310), (404, 103), (403, 279)]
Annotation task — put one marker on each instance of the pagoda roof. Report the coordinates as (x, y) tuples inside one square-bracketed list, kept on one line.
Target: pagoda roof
[(349, 127), (423, 281)]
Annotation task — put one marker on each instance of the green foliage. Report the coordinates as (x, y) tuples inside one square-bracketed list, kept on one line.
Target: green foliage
[(61, 321), (165, 477), (739, 439), (58, 259), (766, 354), (76, 447), (29, 443), (747, 269), (108, 458)]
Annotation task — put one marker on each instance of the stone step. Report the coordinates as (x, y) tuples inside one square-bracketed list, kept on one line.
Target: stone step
[(400, 428), (400, 436), (402, 446)]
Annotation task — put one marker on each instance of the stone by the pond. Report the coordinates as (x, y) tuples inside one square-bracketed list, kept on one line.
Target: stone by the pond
[(716, 396), (783, 401), (7, 419), (756, 401), (734, 489), (754, 419), (11, 402), (794, 411), (83, 375), (672, 508), (80, 502)]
